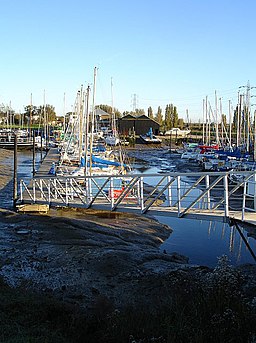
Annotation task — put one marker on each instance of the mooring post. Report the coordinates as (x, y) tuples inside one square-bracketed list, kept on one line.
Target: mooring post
[(15, 178)]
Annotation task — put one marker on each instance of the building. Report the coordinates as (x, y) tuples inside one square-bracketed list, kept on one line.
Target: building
[(140, 125)]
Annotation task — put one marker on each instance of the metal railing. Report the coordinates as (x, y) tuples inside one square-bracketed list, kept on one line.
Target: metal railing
[(176, 192)]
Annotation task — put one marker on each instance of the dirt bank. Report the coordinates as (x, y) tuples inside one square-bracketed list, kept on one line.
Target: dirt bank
[(80, 257)]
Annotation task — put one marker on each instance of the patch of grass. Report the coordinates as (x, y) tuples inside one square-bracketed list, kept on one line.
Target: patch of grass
[(207, 306)]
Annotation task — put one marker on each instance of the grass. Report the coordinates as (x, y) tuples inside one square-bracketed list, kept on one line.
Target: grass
[(204, 307)]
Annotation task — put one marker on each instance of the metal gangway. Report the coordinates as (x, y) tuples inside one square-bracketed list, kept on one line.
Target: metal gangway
[(211, 196)]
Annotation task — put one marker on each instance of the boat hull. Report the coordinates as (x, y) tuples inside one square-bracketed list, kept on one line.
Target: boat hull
[(20, 146), (148, 140)]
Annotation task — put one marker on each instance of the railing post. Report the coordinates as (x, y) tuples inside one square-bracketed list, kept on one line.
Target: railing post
[(111, 188), (41, 187), (55, 189), (226, 200), (21, 190), (208, 199), (178, 195), (34, 190), (169, 191), (138, 192), (86, 190), (90, 189), (254, 184), (244, 197), (71, 189), (66, 188), (49, 191), (251, 188), (141, 194)]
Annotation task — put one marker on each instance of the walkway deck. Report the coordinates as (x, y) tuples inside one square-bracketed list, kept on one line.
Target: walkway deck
[(53, 156)]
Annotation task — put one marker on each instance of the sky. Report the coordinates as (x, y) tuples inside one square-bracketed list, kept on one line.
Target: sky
[(156, 52)]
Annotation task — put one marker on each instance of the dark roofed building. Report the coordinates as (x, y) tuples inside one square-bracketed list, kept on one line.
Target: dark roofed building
[(141, 125), (103, 118)]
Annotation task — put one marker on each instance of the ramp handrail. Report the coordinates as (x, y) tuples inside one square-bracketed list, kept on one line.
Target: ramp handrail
[(180, 192)]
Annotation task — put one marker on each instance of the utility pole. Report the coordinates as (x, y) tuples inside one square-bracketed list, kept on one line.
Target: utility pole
[(134, 102)]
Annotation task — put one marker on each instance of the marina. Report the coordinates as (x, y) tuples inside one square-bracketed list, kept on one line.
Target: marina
[(44, 189), (128, 172)]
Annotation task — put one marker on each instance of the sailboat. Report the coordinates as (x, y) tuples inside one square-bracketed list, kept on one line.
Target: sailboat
[(91, 157)]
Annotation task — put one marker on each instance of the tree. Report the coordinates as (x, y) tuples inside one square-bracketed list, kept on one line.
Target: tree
[(108, 109), (168, 118), (150, 113), (6, 114), (175, 117), (235, 118), (30, 113), (39, 115), (159, 116), (139, 112)]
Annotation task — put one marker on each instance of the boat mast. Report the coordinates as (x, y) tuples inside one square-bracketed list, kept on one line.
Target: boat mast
[(80, 113), (203, 117), (216, 118), (30, 115), (222, 124), (93, 116), (230, 124), (113, 119), (45, 125), (254, 143), (64, 112), (206, 119), (87, 122), (248, 110)]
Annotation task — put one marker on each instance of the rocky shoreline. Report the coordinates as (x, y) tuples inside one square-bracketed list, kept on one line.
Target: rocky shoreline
[(78, 255)]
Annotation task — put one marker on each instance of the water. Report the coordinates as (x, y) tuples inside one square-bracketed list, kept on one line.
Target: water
[(202, 241), (24, 172)]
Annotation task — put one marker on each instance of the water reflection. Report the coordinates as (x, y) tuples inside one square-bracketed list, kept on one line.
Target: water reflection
[(202, 241)]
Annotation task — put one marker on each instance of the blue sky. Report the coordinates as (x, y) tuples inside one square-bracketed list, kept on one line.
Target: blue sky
[(164, 51)]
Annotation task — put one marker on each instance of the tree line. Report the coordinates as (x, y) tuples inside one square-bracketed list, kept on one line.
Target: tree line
[(167, 121), (32, 115)]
